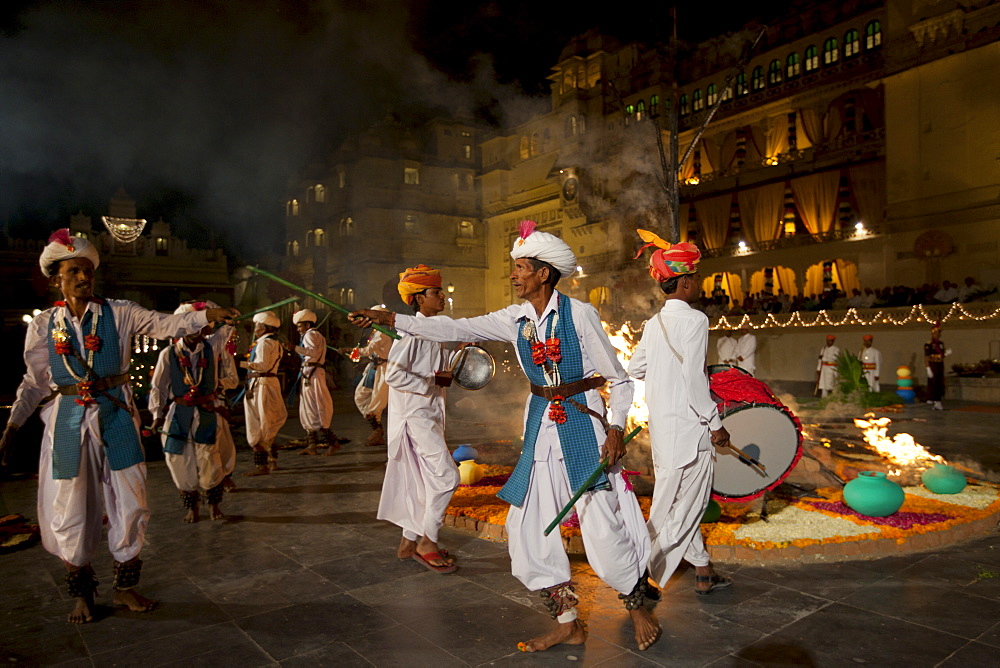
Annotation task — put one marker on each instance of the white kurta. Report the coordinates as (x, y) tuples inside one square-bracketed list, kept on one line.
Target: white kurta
[(373, 400), (827, 367), (681, 415), (746, 352), (871, 364), (69, 511), (420, 476), (315, 402), (610, 520), (263, 403), (229, 379), (726, 348)]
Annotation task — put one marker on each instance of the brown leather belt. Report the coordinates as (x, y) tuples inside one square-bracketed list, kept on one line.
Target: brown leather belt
[(261, 374), (99, 385), (568, 389), (197, 401), (935, 358), (868, 366), (312, 364)]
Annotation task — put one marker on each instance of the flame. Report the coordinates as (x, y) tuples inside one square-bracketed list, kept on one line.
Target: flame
[(624, 340), (901, 449)]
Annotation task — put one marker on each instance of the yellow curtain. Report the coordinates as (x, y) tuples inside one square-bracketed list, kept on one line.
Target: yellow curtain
[(814, 281), (811, 122), (816, 200), (868, 187), (687, 169), (846, 275), (709, 154), (713, 219), (731, 283), (598, 296), (776, 136), (683, 214), (783, 280), (760, 209)]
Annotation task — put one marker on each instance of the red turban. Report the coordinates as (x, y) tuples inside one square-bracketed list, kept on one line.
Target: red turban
[(669, 260)]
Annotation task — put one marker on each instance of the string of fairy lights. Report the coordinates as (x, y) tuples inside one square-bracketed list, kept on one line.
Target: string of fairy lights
[(917, 313)]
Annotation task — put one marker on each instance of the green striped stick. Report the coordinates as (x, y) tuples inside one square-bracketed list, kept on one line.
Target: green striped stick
[(319, 298), (586, 485), (266, 308)]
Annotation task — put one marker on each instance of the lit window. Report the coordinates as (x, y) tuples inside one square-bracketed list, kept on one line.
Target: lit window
[(727, 93), (683, 105), (812, 58), (523, 148), (713, 94), (466, 230), (741, 85), (347, 227), (852, 44), (350, 296), (873, 35), (793, 67), (318, 236), (295, 249), (466, 133), (774, 73), (757, 79), (309, 238), (640, 110), (341, 177), (292, 207), (571, 127), (161, 245), (411, 176), (534, 146), (583, 124), (830, 51), (697, 101), (654, 106), (320, 193), (467, 151)]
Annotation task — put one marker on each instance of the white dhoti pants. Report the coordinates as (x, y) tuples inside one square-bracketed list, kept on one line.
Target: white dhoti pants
[(614, 531), (199, 465), (227, 448), (70, 515), (315, 403), (265, 411), (873, 384), (418, 487), (679, 501)]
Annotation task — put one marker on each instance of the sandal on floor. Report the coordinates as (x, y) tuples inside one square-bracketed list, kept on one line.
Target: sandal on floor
[(718, 582), (426, 559)]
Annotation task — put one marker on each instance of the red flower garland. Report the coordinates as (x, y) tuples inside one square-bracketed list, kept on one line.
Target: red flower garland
[(63, 348), (85, 397), (203, 363), (538, 352), (184, 362), (92, 342), (557, 413), (553, 350)]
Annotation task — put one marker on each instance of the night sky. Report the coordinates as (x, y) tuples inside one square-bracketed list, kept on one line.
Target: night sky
[(203, 110)]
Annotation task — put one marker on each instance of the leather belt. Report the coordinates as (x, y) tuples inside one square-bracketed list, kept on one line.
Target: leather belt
[(829, 364), (568, 389), (197, 401), (261, 374), (312, 364), (868, 366), (936, 358), (99, 385)]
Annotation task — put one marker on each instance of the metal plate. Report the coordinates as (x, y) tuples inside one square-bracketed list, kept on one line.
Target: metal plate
[(472, 367)]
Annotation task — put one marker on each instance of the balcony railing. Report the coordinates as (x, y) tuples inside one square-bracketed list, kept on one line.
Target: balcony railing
[(796, 241)]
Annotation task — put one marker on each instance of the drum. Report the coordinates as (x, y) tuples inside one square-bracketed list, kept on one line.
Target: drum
[(759, 425), (472, 367), (768, 434)]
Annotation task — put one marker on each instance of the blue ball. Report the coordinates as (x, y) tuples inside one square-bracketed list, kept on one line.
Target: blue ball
[(907, 395), (464, 452)]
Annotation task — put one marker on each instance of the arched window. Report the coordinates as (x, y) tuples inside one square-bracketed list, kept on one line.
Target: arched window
[(466, 230), (852, 44), (318, 236), (310, 194), (295, 249), (727, 93), (683, 105), (654, 106), (640, 110), (583, 124), (523, 149), (812, 58), (757, 79), (350, 296), (320, 193), (713, 94), (774, 73), (571, 126), (793, 67), (830, 51), (741, 85), (347, 227), (697, 101), (873, 35), (292, 207), (309, 238), (535, 145)]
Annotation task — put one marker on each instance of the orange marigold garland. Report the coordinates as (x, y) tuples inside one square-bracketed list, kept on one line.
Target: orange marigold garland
[(557, 412)]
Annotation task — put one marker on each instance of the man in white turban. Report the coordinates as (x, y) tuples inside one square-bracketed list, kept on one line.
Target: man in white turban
[(186, 396), (315, 402), (77, 354), (263, 404), (566, 355), (371, 396)]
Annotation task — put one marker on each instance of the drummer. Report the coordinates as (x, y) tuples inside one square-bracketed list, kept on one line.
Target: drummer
[(420, 476), (684, 422)]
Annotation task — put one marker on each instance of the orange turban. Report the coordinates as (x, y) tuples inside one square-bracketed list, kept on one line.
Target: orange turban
[(416, 280), (669, 260)]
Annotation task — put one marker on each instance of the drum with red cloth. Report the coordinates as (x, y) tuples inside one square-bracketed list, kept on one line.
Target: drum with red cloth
[(759, 425)]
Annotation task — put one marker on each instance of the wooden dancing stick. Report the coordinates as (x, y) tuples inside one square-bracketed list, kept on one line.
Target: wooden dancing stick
[(266, 308), (747, 459), (587, 483), (321, 299)]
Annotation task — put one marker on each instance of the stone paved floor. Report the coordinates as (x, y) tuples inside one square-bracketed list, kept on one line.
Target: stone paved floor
[(301, 573)]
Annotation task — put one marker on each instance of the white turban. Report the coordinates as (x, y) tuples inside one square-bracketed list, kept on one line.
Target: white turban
[(305, 315), (187, 307), (267, 318), (64, 247), (545, 247)]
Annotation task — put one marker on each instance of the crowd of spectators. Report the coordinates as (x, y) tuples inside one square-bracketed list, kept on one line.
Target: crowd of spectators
[(718, 303)]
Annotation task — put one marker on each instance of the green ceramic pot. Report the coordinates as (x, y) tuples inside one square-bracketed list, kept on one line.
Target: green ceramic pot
[(873, 495), (712, 513), (943, 479)]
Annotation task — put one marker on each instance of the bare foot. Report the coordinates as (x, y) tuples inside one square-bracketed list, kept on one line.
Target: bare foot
[(192, 516), (83, 611), (214, 512), (135, 601), (309, 451), (228, 484), (647, 629), (260, 470), (406, 548), (570, 633), (332, 450)]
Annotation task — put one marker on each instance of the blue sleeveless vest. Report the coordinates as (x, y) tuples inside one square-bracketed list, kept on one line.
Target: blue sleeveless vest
[(121, 440), (180, 423), (576, 436)]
